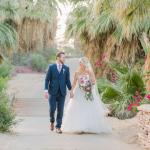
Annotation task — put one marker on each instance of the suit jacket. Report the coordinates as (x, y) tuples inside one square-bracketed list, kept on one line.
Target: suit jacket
[(56, 81)]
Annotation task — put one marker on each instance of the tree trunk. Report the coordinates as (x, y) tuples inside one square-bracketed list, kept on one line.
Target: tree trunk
[(147, 70)]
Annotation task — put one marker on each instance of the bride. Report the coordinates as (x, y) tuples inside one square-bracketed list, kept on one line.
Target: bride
[(85, 112)]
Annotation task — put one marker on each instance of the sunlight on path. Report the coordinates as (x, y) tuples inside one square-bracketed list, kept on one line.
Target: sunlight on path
[(32, 133), (61, 26)]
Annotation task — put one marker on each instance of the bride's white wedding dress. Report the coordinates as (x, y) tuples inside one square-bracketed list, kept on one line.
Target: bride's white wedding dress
[(82, 115)]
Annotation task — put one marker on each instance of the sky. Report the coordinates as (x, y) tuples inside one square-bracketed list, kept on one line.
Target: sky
[(61, 24), (62, 18)]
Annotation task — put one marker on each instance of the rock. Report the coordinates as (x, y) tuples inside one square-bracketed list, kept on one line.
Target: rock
[(145, 108), (144, 125)]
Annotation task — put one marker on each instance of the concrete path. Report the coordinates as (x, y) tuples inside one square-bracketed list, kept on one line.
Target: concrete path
[(32, 132)]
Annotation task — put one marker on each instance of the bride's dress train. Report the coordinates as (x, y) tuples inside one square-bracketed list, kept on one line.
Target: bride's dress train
[(82, 115)]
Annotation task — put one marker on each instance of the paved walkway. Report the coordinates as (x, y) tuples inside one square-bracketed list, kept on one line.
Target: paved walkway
[(32, 132)]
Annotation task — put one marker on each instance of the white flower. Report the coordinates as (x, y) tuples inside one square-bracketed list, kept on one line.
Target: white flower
[(63, 70)]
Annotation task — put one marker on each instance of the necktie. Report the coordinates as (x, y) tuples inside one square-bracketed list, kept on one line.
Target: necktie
[(59, 68)]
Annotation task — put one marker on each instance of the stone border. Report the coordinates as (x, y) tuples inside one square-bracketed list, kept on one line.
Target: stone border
[(144, 125)]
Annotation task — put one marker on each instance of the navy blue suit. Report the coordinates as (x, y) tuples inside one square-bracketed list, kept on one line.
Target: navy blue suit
[(56, 84)]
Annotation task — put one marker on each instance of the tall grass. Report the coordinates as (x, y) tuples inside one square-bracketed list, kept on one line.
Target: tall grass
[(7, 116)]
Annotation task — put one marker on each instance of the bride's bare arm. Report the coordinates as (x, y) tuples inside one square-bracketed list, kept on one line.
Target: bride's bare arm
[(92, 76), (74, 81), (73, 85)]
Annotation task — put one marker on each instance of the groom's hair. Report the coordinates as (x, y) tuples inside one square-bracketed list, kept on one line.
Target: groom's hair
[(59, 54)]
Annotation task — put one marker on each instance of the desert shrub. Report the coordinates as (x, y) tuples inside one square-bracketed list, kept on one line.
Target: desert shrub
[(3, 84), (21, 59), (121, 92), (48, 54), (5, 69), (7, 116), (38, 62)]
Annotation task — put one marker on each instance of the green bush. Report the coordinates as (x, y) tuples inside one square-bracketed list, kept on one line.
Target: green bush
[(38, 62), (3, 84), (21, 59), (48, 54), (29, 59), (121, 92), (5, 69), (7, 116)]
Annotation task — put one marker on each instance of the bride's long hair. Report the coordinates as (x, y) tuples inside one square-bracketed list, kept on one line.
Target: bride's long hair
[(85, 61)]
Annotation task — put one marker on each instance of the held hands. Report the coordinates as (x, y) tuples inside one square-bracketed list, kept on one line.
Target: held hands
[(93, 82), (46, 94), (71, 94)]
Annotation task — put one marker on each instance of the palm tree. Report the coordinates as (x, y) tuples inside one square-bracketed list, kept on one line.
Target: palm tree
[(119, 94), (36, 29), (115, 26), (78, 27), (146, 46), (131, 22), (8, 39), (83, 24)]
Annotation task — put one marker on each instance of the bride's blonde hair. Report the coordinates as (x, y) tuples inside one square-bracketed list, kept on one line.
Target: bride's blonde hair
[(85, 61)]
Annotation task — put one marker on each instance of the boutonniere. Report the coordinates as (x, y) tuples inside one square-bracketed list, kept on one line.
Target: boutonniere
[(63, 70)]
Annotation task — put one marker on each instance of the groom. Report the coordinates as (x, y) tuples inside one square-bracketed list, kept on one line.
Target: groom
[(57, 78)]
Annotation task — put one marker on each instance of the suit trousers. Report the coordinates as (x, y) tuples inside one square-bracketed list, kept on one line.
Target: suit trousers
[(56, 102)]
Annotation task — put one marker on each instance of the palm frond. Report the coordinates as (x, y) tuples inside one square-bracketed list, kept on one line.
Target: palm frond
[(77, 23), (1, 58), (8, 36), (9, 8), (130, 15), (145, 43)]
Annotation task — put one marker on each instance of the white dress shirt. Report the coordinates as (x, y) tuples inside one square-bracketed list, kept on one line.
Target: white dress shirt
[(59, 67)]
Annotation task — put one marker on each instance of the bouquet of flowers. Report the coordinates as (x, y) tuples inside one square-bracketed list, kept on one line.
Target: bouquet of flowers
[(86, 85)]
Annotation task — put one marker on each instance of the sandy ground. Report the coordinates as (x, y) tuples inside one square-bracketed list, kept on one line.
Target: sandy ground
[(32, 132)]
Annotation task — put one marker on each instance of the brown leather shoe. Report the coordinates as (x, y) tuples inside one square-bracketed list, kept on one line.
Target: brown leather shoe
[(52, 126), (58, 130)]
